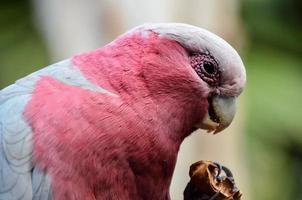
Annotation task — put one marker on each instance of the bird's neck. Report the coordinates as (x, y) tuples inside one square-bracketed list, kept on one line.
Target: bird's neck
[(150, 74)]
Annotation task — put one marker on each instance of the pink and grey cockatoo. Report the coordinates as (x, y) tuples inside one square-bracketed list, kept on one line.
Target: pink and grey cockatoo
[(108, 124)]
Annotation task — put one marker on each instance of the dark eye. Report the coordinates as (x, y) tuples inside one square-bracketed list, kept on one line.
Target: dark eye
[(206, 67)]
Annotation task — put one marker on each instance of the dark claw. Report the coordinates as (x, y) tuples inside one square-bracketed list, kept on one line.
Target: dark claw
[(220, 167), (227, 172)]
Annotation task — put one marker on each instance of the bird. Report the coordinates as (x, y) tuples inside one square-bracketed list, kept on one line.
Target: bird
[(108, 123)]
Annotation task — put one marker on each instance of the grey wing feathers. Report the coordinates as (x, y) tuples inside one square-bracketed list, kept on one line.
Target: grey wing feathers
[(18, 177), (41, 185)]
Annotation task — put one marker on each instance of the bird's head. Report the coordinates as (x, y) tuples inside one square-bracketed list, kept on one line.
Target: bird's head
[(179, 61), (217, 67)]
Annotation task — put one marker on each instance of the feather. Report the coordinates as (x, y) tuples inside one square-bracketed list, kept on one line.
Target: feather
[(19, 178)]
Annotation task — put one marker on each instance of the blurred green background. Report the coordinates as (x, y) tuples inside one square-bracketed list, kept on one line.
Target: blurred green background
[(22, 50), (273, 97)]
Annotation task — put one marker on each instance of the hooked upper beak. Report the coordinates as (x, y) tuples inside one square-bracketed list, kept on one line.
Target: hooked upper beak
[(220, 114)]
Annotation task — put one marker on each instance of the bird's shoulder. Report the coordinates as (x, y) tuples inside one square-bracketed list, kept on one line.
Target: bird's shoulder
[(19, 179)]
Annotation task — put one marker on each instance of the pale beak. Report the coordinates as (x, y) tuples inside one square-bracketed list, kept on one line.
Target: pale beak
[(220, 115)]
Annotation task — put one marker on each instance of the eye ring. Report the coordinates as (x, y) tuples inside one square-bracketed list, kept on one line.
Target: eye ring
[(206, 67)]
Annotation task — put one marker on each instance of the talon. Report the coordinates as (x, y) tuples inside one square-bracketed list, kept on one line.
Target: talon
[(227, 172), (219, 166)]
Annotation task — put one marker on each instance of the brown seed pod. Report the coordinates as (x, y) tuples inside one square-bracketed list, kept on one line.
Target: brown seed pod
[(211, 181)]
